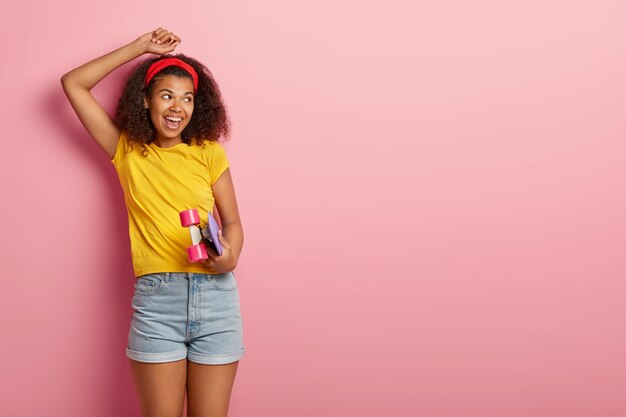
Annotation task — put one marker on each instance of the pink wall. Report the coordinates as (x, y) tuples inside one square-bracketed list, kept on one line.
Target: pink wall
[(432, 194)]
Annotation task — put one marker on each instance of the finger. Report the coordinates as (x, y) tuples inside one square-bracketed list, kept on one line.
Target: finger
[(211, 253), (163, 37), (174, 40), (158, 38), (156, 33), (210, 261), (223, 240)]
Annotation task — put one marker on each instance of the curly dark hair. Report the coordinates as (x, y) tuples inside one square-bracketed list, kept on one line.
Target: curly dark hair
[(209, 120)]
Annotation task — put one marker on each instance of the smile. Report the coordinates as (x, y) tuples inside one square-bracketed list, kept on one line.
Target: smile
[(172, 122)]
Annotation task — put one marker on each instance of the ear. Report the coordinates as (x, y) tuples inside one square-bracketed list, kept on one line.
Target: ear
[(145, 103)]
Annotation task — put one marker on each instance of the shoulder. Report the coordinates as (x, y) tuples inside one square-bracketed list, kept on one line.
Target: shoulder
[(212, 145), (212, 150), (128, 143), (127, 146)]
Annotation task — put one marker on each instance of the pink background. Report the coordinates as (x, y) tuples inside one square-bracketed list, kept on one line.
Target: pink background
[(433, 199)]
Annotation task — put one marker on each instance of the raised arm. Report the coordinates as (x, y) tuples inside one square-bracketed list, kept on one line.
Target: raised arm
[(78, 83)]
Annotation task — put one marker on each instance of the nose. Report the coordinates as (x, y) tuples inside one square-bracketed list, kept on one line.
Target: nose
[(175, 104)]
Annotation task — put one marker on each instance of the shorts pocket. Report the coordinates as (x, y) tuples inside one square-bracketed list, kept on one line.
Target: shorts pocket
[(225, 282), (148, 284)]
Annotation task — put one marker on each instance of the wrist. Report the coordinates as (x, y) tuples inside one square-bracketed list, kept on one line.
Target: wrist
[(138, 47)]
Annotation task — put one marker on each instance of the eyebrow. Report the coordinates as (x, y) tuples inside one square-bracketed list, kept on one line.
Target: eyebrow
[(171, 92)]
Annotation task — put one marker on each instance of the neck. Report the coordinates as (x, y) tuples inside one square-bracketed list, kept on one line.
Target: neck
[(163, 142)]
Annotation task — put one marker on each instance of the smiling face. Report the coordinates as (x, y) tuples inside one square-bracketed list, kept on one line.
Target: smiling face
[(171, 106)]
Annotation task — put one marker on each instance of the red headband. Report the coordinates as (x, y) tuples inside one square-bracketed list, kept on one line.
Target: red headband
[(171, 62)]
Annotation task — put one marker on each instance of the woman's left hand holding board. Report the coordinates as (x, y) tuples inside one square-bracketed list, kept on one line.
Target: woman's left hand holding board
[(223, 263)]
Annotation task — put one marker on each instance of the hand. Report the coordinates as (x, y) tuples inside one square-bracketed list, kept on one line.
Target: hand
[(158, 42), (224, 263)]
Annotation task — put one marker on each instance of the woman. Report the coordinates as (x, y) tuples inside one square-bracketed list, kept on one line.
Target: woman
[(186, 331)]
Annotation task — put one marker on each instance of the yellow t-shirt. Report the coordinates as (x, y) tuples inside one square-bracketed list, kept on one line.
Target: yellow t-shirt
[(159, 186)]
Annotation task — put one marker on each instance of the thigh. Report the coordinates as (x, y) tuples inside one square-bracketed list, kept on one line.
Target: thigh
[(159, 323), (217, 336), (161, 387), (209, 388)]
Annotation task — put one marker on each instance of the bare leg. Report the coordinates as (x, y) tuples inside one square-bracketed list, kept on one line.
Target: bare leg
[(209, 388), (161, 387)]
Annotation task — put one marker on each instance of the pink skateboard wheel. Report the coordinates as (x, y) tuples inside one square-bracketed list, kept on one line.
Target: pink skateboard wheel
[(197, 253), (189, 217)]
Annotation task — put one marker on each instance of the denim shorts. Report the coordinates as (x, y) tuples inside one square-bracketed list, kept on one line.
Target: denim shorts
[(180, 315)]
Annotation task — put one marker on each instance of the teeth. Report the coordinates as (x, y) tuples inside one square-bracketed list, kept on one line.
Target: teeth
[(174, 119)]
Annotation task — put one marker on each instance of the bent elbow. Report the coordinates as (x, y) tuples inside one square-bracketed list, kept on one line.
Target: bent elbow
[(64, 82)]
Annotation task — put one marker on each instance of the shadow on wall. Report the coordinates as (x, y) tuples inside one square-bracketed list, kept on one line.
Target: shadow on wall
[(106, 380)]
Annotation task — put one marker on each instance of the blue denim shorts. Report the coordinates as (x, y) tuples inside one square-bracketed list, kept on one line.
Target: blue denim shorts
[(186, 315)]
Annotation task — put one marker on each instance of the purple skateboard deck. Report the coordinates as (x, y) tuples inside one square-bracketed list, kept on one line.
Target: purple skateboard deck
[(213, 238)]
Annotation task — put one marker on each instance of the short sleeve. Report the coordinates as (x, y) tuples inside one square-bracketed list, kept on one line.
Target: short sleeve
[(119, 150), (218, 163)]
